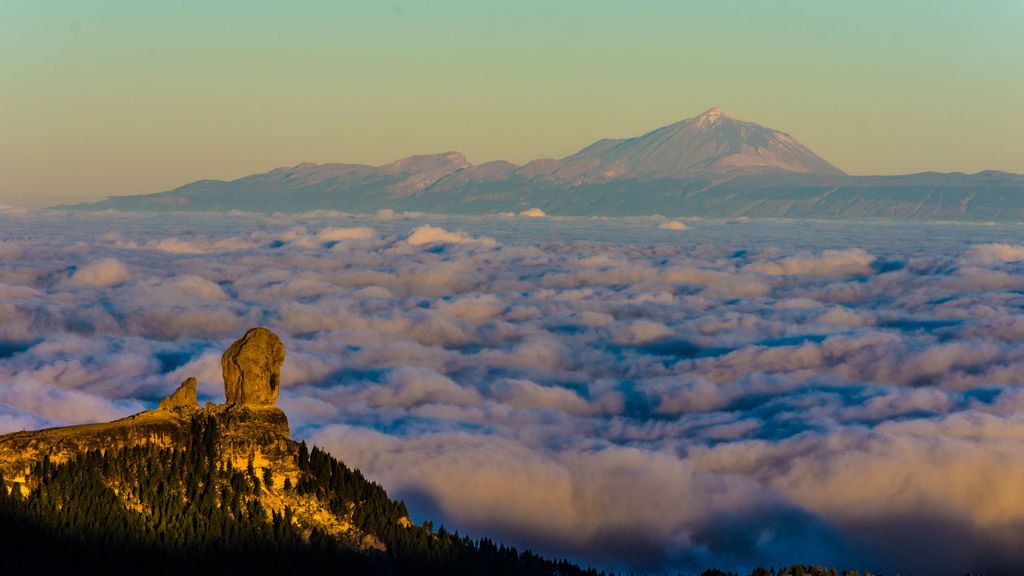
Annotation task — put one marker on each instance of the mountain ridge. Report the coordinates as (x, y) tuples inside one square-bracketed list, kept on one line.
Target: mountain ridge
[(710, 165), (710, 143), (222, 488)]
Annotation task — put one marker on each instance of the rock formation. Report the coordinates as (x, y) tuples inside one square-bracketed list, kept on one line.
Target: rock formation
[(183, 399), (251, 427), (252, 368), (248, 436)]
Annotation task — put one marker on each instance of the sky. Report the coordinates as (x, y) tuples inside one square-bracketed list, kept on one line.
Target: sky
[(118, 97), (724, 393)]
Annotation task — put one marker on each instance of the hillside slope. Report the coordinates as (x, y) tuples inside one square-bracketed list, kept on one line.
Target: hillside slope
[(711, 143), (711, 165), (224, 488)]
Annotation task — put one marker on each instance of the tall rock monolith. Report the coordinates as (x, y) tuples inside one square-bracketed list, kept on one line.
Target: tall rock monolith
[(252, 368)]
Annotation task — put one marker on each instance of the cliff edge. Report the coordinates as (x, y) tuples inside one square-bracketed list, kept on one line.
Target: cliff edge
[(251, 428)]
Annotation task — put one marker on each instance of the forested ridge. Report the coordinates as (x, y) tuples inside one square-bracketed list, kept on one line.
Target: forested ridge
[(162, 510)]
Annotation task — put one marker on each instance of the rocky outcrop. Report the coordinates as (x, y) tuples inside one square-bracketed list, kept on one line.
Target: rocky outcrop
[(183, 399), (251, 427), (252, 368), (20, 450), (249, 434)]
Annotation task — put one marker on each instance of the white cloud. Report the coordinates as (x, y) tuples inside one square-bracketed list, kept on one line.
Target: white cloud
[(9, 250), (851, 262), (338, 234), (995, 253), (588, 382), (407, 387), (428, 234), (672, 225), (641, 331), (198, 287), (102, 273), (526, 394)]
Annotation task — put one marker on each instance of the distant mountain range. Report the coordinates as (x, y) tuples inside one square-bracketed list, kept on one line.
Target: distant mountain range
[(712, 165)]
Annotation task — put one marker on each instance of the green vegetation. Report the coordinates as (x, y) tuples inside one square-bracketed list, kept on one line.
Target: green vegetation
[(169, 509), (146, 509)]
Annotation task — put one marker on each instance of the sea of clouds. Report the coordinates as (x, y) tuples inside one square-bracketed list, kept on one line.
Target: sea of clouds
[(633, 393)]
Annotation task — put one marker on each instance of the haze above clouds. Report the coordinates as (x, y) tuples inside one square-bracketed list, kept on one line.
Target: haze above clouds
[(727, 392)]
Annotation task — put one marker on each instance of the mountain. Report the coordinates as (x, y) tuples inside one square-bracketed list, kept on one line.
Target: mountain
[(711, 165), (223, 489), (712, 143), (219, 489)]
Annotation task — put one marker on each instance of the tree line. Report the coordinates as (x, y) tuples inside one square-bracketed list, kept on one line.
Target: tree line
[(169, 510)]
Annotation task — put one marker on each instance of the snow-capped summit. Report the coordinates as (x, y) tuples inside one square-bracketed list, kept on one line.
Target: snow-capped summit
[(711, 165), (711, 143), (710, 116)]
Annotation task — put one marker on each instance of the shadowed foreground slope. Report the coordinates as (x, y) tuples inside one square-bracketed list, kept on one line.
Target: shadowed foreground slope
[(223, 489)]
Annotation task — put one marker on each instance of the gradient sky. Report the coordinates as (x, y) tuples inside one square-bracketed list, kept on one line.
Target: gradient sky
[(120, 97)]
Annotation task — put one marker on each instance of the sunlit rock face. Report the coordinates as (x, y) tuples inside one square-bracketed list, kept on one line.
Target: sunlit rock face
[(252, 368), (251, 427), (250, 433), (183, 399)]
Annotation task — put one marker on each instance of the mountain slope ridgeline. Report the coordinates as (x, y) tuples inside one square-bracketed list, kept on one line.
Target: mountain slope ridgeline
[(711, 165)]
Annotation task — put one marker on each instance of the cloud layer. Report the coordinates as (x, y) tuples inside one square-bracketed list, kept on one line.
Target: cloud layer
[(741, 393)]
